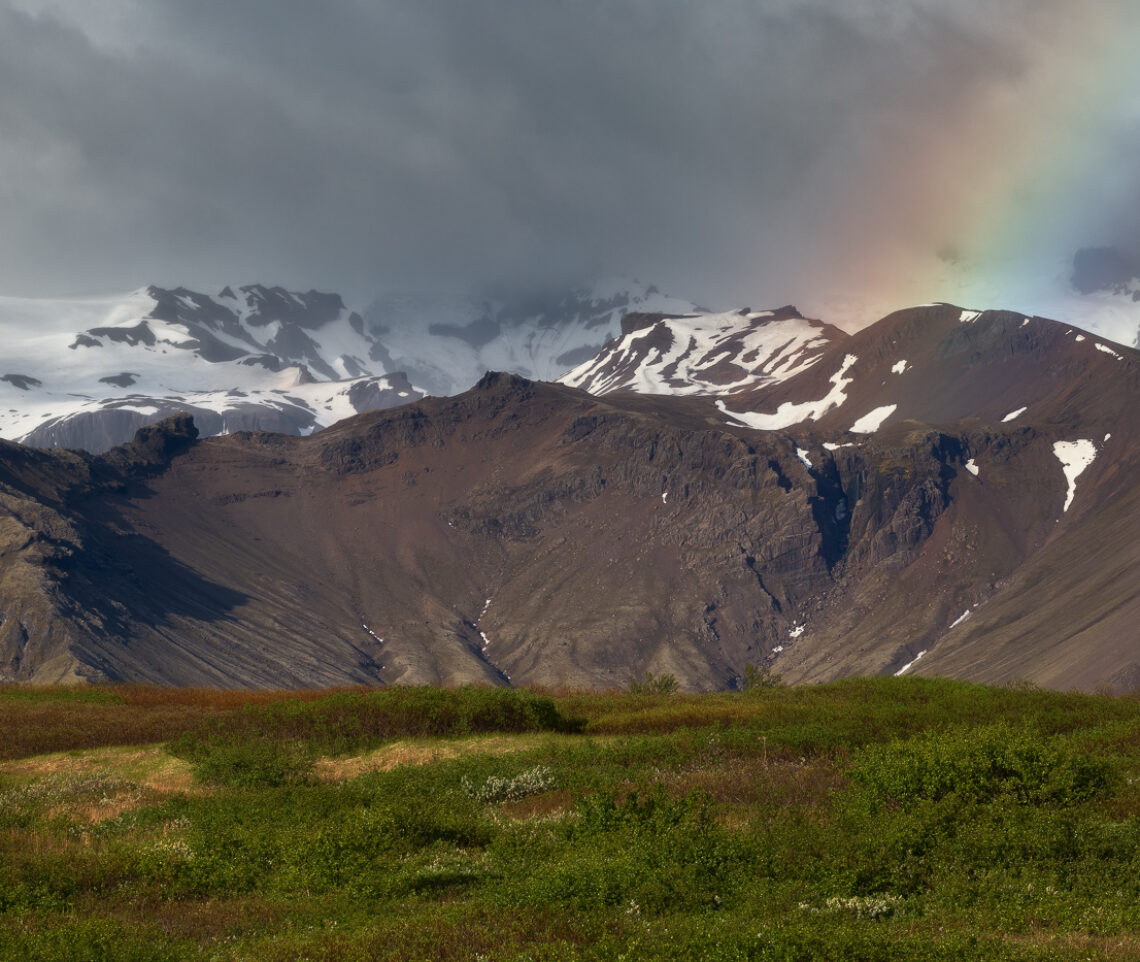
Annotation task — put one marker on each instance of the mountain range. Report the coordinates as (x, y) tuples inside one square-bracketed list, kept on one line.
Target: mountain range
[(88, 373), (948, 491)]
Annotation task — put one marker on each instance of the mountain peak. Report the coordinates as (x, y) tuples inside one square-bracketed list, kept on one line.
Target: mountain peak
[(704, 353)]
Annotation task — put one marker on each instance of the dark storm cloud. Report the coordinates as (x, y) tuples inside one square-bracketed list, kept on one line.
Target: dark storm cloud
[(359, 146)]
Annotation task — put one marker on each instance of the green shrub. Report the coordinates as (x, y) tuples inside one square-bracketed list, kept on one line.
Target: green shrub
[(353, 721), (249, 763), (93, 940), (276, 743), (381, 850), (758, 680), (654, 811), (981, 764), (653, 684), (643, 852)]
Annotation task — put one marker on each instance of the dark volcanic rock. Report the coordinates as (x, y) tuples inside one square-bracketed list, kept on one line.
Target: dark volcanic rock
[(375, 394), (156, 444), (126, 379), (139, 334), (22, 381), (636, 321), (309, 310)]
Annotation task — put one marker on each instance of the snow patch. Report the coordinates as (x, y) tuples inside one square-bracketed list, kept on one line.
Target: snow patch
[(664, 497), (1014, 414), (898, 368), (796, 630), (802, 454), (968, 317), (972, 467), (790, 413), (694, 346), (964, 616), (835, 447), (1074, 456), (1108, 350), (910, 664), (1079, 338), (871, 422)]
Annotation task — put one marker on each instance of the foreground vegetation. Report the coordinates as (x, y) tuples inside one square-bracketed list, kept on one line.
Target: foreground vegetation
[(894, 819)]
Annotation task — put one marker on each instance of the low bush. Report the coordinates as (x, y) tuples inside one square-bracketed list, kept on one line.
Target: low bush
[(758, 680), (981, 764), (247, 762), (652, 684), (276, 743)]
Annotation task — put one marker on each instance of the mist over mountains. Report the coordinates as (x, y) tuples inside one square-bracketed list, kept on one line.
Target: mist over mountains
[(88, 373)]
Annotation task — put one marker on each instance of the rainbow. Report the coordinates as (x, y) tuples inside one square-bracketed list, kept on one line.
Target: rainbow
[(1003, 181)]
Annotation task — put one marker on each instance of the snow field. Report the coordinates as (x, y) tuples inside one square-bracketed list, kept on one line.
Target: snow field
[(871, 422), (790, 413), (1075, 457)]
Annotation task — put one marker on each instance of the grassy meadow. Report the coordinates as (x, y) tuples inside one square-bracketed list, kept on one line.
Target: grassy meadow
[(885, 819)]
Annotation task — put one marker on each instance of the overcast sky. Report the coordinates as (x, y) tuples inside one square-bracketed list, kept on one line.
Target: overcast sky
[(727, 149)]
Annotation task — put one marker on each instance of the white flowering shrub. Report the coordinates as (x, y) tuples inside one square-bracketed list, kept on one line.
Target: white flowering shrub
[(60, 788), (534, 781), (862, 906)]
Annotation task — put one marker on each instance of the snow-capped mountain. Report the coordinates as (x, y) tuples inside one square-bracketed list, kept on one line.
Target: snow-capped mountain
[(88, 373), (447, 343), (921, 365), (704, 353)]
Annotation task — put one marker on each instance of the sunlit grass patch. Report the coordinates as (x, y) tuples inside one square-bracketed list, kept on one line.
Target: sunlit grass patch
[(148, 765), (423, 751)]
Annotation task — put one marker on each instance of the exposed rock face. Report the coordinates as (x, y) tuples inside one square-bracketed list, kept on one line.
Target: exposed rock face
[(523, 532)]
